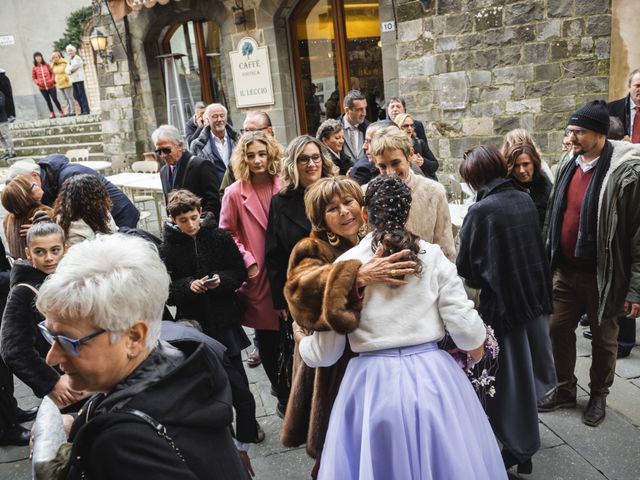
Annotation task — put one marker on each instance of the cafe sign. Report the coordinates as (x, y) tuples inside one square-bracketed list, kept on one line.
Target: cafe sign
[(251, 74)]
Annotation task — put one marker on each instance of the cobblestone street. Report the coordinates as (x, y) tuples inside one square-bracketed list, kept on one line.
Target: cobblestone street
[(570, 450)]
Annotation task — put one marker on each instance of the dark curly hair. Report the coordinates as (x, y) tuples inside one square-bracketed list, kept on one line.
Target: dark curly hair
[(388, 201), (83, 197)]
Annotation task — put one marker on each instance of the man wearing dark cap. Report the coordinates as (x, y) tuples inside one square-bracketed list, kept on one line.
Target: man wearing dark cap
[(592, 235)]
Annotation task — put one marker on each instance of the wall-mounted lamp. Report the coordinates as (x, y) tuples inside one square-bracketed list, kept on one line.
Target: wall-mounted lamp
[(99, 45), (238, 13)]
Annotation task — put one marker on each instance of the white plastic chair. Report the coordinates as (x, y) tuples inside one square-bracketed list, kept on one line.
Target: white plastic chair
[(141, 197), (78, 154)]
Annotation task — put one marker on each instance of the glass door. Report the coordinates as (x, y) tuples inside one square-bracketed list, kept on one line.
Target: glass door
[(336, 48)]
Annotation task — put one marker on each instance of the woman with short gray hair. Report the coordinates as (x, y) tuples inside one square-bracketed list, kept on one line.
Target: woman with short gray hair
[(331, 134), (117, 285)]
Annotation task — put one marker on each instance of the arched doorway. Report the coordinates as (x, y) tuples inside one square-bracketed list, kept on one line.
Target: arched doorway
[(201, 69), (336, 47)]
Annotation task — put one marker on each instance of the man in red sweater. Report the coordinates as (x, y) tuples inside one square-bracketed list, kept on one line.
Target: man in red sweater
[(593, 243)]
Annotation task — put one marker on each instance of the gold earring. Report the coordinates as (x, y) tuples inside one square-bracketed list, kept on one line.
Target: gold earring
[(362, 231), (333, 239)]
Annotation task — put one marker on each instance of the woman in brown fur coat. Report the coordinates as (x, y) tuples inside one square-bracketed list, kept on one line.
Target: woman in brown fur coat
[(327, 296)]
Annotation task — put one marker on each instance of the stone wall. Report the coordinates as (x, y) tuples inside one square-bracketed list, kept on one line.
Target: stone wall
[(475, 69)]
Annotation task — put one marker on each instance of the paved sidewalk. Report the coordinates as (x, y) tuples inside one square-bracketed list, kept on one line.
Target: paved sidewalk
[(570, 450)]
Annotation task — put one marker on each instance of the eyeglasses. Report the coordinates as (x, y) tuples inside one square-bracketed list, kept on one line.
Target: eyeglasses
[(306, 159), (163, 151), (578, 132), (247, 130), (33, 185), (70, 345), (409, 125)]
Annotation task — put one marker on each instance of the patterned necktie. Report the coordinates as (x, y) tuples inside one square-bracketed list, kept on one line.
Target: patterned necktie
[(635, 134), (354, 139)]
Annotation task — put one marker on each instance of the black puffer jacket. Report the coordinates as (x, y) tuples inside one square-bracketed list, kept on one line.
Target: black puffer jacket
[(23, 347), (185, 389), (539, 190), (187, 258)]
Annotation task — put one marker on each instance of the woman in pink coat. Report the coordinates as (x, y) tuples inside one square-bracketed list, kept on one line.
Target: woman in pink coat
[(245, 210)]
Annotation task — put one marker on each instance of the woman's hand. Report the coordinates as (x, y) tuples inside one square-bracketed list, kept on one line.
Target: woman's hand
[(477, 353), (417, 160), (298, 332), (198, 285), (387, 270)]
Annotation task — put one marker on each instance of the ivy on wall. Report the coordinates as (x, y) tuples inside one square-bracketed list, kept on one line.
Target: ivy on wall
[(76, 24)]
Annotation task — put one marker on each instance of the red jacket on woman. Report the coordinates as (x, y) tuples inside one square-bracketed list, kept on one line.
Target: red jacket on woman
[(43, 76)]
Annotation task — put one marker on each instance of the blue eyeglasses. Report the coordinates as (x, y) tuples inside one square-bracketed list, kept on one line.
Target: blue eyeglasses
[(70, 345)]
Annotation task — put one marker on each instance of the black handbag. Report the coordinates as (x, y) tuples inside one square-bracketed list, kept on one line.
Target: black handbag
[(285, 354)]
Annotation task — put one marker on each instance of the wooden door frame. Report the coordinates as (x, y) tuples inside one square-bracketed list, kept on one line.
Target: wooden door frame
[(203, 60), (341, 60)]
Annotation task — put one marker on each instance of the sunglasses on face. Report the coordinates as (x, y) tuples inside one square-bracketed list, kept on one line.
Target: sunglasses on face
[(247, 130), (163, 151), (70, 345)]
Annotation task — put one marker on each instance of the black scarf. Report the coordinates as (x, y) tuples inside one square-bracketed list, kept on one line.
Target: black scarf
[(588, 229)]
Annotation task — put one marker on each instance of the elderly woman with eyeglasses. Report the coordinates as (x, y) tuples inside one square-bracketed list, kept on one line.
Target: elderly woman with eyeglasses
[(303, 164), (423, 157), (159, 411)]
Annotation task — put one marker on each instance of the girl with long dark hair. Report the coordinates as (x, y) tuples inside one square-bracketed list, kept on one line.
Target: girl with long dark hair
[(45, 80)]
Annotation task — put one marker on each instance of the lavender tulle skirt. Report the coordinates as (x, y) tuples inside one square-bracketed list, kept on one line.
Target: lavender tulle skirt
[(408, 414)]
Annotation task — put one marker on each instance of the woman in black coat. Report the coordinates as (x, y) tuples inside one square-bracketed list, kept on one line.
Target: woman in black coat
[(304, 164), (502, 254), (429, 164), (525, 167)]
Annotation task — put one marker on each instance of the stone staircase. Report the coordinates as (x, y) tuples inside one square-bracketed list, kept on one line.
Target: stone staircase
[(39, 138)]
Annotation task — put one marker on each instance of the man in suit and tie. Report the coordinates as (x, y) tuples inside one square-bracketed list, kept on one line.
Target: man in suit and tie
[(355, 125), (185, 170), (216, 139), (627, 109)]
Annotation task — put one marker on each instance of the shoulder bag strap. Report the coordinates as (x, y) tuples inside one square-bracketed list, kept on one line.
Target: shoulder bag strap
[(160, 429), (30, 287)]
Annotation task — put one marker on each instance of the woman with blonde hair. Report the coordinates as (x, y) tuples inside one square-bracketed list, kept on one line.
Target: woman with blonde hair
[(303, 164), (21, 198), (520, 135), (63, 84), (423, 157), (245, 210)]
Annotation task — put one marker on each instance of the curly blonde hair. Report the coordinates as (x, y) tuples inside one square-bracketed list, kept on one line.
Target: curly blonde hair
[(239, 156)]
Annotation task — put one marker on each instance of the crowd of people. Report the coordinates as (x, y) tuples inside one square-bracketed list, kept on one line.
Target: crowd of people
[(63, 77), (338, 252)]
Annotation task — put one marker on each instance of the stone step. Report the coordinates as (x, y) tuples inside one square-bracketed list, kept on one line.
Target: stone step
[(47, 149), (77, 120), (75, 139), (51, 130)]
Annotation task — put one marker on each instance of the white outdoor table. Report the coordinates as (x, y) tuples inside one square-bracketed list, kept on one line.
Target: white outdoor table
[(97, 165), (139, 181)]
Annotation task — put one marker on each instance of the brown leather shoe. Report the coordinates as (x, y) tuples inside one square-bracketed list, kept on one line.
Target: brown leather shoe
[(595, 411), (555, 399)]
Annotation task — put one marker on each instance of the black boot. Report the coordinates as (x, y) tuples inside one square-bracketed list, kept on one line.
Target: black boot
[(16, 435)]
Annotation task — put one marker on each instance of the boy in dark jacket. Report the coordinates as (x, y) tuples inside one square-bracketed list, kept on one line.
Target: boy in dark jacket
[(206, 270)]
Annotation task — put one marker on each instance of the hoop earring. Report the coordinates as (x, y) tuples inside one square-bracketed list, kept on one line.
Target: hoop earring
[(333, 239), (362, 231)]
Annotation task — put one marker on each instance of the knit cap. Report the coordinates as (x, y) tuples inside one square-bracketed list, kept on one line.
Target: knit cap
[(593, 116)]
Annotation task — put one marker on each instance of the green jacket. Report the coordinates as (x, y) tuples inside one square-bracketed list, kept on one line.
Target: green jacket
[(618, 242)]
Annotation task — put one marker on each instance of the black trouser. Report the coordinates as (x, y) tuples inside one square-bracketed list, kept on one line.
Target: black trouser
[(81, 97), (627, 333), (8, 403), (50, 95), (242, 398), (269, 345)]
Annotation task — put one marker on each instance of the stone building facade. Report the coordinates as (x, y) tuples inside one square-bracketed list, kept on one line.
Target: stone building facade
[(470, 69)]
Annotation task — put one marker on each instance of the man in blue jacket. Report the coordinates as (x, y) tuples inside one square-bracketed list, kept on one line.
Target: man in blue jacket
[(52, 171)]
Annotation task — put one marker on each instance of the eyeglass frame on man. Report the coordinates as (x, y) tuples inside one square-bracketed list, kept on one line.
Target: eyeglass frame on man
[(163, 150), (305, 160), (249, 130), (69, 345), (578, 132)]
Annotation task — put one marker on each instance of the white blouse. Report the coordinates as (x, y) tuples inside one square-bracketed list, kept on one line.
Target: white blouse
[(412, 314)]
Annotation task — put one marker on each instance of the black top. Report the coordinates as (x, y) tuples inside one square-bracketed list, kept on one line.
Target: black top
[(502, 253), (288, 223)]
